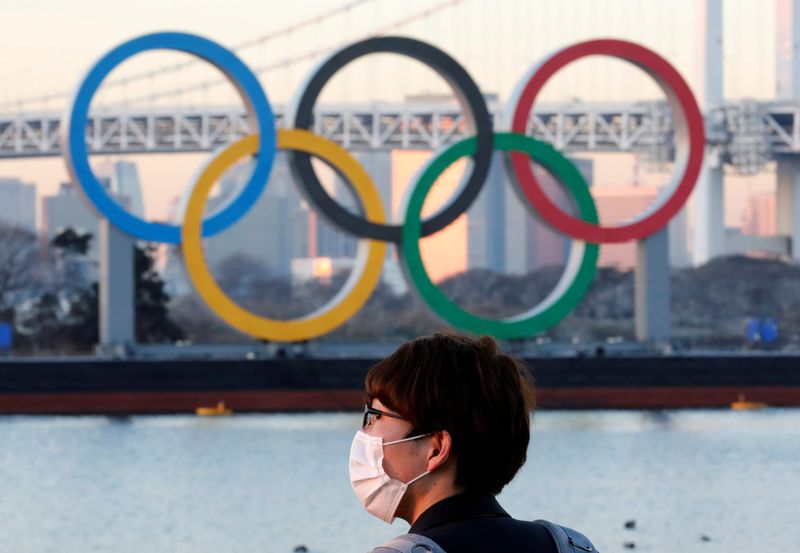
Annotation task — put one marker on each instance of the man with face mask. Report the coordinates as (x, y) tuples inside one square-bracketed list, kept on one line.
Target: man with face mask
[(446, 427)]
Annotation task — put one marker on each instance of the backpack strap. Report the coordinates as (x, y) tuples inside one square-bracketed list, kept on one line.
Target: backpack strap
[(568, 540), (409, 543)]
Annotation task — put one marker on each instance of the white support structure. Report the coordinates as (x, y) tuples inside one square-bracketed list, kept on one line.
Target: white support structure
[(116, 289), (787, 88), (652, 290), (708, 211), (655, 255), (744, 134), (708, 199), (744, 244), (679, 240), (788, 203), (787, 49), (643, 127)]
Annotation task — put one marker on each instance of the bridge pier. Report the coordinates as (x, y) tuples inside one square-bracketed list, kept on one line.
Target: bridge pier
[(708, 199), (679, 257), (788, 203), (708, 210), (787, 48), (787, 87), (116, 290)]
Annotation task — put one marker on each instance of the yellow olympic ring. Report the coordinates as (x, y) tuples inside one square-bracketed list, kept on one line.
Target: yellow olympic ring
[(369, 259)]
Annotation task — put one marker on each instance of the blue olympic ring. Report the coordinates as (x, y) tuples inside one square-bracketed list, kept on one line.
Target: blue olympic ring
[(262, 122)]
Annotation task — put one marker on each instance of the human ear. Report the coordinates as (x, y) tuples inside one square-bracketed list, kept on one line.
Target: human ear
[(439, 450)]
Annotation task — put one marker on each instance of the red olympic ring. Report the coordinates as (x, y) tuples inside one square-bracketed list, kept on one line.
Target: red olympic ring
[(689, 141)]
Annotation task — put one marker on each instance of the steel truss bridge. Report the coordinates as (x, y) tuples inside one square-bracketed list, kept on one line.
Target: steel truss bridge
[(745, 134)]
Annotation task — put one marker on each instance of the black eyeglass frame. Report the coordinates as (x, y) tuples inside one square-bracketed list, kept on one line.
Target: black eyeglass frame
[(369, 410)]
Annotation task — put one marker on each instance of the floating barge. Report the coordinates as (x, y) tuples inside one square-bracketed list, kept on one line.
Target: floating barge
[(112, 387)]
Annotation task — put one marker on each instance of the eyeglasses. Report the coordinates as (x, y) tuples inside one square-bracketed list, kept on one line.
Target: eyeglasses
[(370, 412)]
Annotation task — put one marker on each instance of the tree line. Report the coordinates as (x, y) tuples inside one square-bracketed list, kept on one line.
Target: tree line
[(49, 293), (49, 296)]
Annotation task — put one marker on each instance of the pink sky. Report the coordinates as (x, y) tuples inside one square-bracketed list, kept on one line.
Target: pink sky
[(496, 45)]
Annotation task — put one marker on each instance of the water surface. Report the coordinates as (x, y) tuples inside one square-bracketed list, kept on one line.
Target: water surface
[(267, 483)]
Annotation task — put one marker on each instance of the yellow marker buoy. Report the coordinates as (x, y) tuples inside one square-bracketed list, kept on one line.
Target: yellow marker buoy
[(743, 405), (218, 411)]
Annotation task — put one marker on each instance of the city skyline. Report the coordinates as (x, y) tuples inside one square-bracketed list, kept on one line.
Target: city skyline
[(446, 254), (664, 27), (749, 57)]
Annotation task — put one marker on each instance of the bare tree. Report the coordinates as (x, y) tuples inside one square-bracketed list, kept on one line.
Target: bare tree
[(19, 254)]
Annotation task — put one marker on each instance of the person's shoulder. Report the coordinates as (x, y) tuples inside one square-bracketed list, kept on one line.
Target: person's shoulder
[(547, 537), (567, 539), (493, 534), (408, 543), (534, 533)]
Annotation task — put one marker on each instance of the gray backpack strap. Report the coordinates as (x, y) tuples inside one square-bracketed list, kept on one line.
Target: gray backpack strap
[(409, 543), (568, 540)]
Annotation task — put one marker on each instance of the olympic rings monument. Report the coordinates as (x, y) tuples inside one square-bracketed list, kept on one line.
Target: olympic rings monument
[(119, 227)]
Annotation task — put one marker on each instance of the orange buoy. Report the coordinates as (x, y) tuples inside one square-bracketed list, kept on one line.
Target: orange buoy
[(743, 405), (218, 411)]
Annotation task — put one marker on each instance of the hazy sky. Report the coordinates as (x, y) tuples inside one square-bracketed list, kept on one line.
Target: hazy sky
[(47, 46)]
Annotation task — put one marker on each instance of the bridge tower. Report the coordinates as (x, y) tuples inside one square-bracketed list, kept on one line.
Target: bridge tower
[(708, 198), (787, 87)]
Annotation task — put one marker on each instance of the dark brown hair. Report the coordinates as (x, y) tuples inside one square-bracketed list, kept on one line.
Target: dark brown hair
[(482, 397)]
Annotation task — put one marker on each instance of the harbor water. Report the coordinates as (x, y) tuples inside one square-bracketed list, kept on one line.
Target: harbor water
[(693, 481)]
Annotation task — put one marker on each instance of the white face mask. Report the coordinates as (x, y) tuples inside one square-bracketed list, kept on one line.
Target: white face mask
[(379, 494)]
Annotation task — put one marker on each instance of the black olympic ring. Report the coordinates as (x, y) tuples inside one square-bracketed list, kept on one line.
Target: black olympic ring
[(476, 114)]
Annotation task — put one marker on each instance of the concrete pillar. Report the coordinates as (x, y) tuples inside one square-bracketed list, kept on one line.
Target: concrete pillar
[(116, 288), (788, 203), (787, 87), (679, 240), (652, 290), (708, 199), (708, 211), (787, 49)]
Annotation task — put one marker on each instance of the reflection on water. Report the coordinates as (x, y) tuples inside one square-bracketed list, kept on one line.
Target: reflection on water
[(694, 481)]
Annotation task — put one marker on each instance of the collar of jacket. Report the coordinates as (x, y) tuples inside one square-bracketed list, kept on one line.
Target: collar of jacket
[(457, 507)]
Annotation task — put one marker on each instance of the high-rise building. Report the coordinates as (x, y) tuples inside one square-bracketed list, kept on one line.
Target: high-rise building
[(265, 232), (176, 280), (281, 231), (125, 183), (378, 164), (303, 231), (486, 222), (334, 242), (444, 253), (68, 210), (760, 216), (121, 180), (18, 203), (618, 205), (502, 233)]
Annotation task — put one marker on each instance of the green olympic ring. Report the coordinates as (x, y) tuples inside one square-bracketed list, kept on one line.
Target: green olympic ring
[(580, 268)]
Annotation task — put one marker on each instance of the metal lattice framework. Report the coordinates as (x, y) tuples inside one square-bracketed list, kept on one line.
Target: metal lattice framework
[(752, 133), (746, 134)]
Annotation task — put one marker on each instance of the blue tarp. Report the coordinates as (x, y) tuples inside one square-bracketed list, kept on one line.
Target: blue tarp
[(761, 330), (5, 336)]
